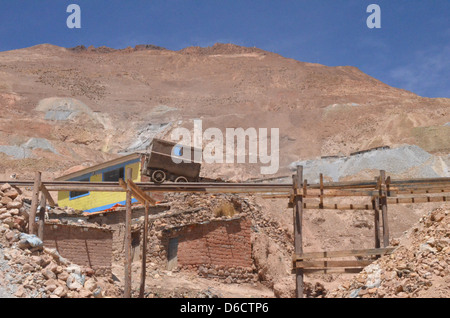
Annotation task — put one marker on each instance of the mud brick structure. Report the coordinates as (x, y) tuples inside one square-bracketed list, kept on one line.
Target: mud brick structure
[(82, 245), (116, 221), (215, 249)]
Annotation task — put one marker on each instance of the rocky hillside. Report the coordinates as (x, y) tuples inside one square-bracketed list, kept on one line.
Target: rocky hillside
[(65, 107)]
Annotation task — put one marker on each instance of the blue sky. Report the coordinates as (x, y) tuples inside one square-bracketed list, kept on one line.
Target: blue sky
[(410, 51)]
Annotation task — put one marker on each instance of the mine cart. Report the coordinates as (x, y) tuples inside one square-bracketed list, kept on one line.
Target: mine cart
[(168, 161)]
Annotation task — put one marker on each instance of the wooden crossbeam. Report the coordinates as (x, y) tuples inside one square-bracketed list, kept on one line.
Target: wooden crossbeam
[(352, 270), (347, 253), (332, 264), (336, 206), (48, 197), (334, 194), (140, 195), (431, 191), (423, 199)]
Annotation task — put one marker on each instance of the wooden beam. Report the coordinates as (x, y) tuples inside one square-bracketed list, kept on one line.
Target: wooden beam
[(87, 187), (41, 224), (383, 203), (34, 203), (49, 198), (376, 210), (334, 194), (144, 196), (333, 264), (431, 191), (321, 191), (128, 216), (347, 253), (353, 270), (298, 220), (144, 252), (140, 195), (126, 186), (308, 206), (418, 199)]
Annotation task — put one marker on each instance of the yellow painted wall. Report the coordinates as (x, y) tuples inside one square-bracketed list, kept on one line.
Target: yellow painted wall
[(98, 199)]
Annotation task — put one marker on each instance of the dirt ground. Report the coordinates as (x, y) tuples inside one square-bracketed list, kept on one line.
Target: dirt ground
[(167, 284)]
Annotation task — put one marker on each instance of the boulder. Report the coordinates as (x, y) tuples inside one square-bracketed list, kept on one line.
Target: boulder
[(11, 236), (91, 285), (28, 241), (37, 260), (60, 292), (63, 276), (14, 212), (11, 193), (51, 288), (73, 282), (5, 200), (14, 205), (21, 292), (5, 216), (27, 268), (85, 293), (5, 187), (52, 267), (48, 274)]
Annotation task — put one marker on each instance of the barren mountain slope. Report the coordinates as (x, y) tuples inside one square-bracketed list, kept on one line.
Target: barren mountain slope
[(91, 103)]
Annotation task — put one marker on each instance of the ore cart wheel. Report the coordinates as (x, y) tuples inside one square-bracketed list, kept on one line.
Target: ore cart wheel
[(181, 180), (159, 176)]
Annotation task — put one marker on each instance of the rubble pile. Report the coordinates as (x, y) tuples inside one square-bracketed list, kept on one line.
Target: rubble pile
[(30, 270), (45, 274), (207, 206), (419, 266), (12, 213)]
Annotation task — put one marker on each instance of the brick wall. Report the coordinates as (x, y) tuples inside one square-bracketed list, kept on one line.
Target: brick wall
[(216, 249), (84, 246), (225, 243), (116, 221)]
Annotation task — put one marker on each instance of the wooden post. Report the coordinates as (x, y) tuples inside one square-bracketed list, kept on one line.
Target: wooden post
[(34, 203), (383, 203), (48, 197), (41, 225), (376, 209), (298, 218), (321, 191), (127, 280), (144, 252)]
